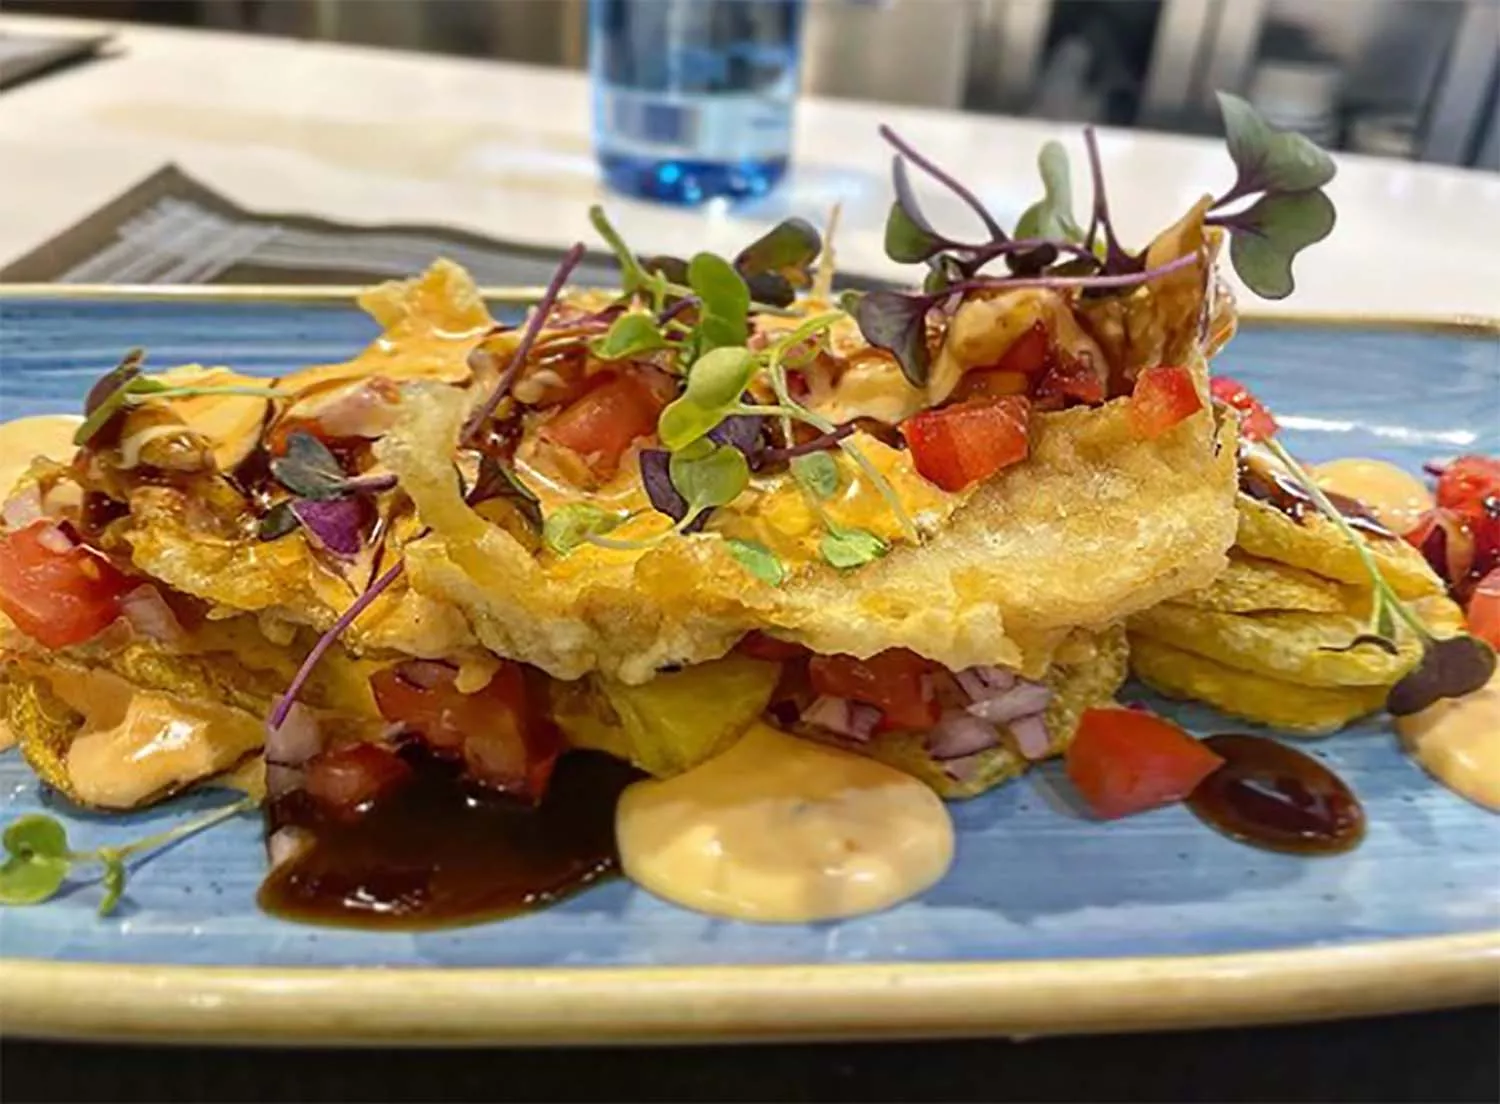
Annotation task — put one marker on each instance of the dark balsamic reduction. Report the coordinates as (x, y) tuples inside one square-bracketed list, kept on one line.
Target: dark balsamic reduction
[(1287, 496), (1270, 795), (439, 851)]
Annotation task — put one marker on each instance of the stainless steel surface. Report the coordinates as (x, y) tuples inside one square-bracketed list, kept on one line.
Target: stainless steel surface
[(900, 51), (1182, 36), (1467, 93), (1005, 53)]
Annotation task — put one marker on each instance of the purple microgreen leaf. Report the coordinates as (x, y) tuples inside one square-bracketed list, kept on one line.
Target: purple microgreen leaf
[(336, 524), (1450, 668), (114, 380), (1267, 159), (771, 288), (898, 324), (656, 475), (909, 236), (1116, 259), (309, 469), (954, 186), (497, 480), (787, 250), (943, 272), (278, 521), (1266, 237), (742, 431)]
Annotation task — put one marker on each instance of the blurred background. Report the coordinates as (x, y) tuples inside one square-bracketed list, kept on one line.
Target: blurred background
[(1414, 79)]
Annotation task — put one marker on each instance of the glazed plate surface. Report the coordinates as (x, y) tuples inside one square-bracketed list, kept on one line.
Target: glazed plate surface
[(1047, 922)]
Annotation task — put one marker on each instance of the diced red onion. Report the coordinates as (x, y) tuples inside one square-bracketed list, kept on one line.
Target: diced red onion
[(842, 717), (426, 674), (958, 735), (24, 508), (150, 616), (282, 779), (1032, 736), (54, 538), (984, 682), (286, 844), (1019, 701), (296, 740)]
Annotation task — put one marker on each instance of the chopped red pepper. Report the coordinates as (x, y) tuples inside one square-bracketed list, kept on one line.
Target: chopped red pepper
[(759, 645), (1467, 482), (57, 591), (1163, 397), (1125, 761), (957, 446), (1484, 610), (605, 421), (345, 780), (897, 682), (500, 743), (1256, 422)]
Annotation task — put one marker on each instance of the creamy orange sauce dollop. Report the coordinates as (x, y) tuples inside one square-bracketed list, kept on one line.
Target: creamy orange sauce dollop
[(1395, 496), (1457, 740)]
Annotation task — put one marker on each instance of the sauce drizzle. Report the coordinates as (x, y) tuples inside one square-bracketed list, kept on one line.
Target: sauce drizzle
[(1286, 495), (1270, 795), (438, 852)]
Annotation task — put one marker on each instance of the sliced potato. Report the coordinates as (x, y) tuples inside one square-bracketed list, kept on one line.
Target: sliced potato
[(1250, 584), (675, 721), (231, 424), (1289, 706)]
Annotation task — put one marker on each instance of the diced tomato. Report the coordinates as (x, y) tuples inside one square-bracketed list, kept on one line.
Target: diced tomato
[(500, 743), (1467, 482), (1070, 380), (56, 591), (345, 780), (1446, 540), (1028, 354), (758, 645), (1163, 397), (1256, 422), (897, 682), (1124, 761), (956, 446), (604, 422), (1484, 610)]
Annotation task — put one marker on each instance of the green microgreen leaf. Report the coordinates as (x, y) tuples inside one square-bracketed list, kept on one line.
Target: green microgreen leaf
[(683, 421), (1052, 215), (898, 323), (278, 521), (106, 398), (709, 475), (572, 525), (37, 834), (850, 548), (717, 379), (630, 335), (757, 559), (31, 879), (909, 236), (1268, 235), (633, 277), (787, 250), (1267, 159), (724, 310), (1450, 668), (113, 880), (309, 469), (817, 473), (497, 480)]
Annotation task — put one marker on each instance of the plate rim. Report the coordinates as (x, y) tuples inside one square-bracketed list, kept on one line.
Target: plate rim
[(422, 1006), (1458, 324), (415, 1006)]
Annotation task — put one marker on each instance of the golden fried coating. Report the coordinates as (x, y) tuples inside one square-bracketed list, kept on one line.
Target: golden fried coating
[(1249, 584), (1319, 546), (1290, 706), (1096, 524)]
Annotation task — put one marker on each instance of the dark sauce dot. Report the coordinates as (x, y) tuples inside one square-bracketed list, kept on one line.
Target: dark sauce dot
[(1286, 495), (439, 852), (1270, 795)]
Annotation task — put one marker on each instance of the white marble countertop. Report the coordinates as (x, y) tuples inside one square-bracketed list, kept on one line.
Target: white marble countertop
[(364, 135)]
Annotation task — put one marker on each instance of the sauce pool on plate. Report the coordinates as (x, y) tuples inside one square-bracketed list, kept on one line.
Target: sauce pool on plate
[(1395, 496), (1270, 795), (1458, 742), (785, 830)]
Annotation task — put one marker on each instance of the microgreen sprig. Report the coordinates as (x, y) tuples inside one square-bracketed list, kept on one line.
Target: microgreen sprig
[(123, 387), (39, 860), (1450, 667)]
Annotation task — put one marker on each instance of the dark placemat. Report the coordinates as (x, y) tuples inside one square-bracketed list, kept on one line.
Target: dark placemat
[(24, 57), (1447, 1056)]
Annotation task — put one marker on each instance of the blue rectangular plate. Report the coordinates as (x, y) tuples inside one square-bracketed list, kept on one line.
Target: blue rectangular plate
[(1047, 921)]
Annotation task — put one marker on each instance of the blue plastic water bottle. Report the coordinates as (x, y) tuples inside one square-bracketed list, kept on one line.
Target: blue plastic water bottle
[(693, 98)]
